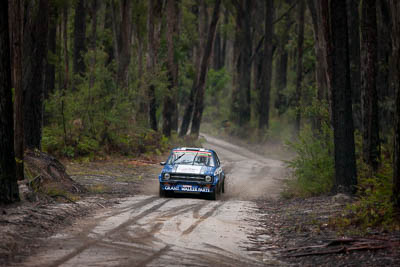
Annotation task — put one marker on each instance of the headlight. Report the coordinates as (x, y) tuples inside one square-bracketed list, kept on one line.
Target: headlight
[(208, 178), (167, 176)]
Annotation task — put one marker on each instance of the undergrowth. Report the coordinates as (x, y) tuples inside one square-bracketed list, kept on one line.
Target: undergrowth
[(373, 207), (313, 175), (313, 165)]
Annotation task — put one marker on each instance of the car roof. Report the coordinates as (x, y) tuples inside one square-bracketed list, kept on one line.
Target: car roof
[(200, 149)]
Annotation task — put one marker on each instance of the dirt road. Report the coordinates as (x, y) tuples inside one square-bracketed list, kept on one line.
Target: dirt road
[(146, 230)]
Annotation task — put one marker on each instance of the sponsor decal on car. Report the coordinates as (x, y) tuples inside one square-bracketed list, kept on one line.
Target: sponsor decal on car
[(175, 188), (188, 188), (192, 169)]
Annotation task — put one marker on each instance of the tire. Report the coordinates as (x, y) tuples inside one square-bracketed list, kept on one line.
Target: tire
[(162, 193), (165, 193), (223, 187), (213, 195)]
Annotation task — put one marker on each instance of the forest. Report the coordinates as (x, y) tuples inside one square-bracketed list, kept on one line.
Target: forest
[(80, 78)]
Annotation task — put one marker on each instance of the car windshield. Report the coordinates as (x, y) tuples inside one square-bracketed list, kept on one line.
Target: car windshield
[(191, 158)]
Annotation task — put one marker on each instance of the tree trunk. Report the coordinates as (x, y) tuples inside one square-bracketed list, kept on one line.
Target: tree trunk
[(199, 12), (369, 45), (299, 72), (124, 41), (205, 62), (52, 42), (225, 38), (65, 46), (355, 60), (345, 164), (8, 179), (92, 64), (66, 68), (281, 67), (241, 102), (217, 51), (176, 28), (93, 39), (35, 54), (170, 105), (384, 88), (79, 38), (395, 8), (16, 62), (265, 87), (154, 17), (325, 35), (109, 45), (320, 64)]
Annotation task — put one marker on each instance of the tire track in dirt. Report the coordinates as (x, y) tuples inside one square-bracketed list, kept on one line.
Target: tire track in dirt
[(201, 219), (185, 230), (107, 234)]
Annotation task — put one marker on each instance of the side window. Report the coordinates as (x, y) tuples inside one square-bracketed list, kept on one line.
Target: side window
[(216, 159)]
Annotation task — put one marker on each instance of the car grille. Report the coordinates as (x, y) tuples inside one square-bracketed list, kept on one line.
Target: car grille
[(187, 177)]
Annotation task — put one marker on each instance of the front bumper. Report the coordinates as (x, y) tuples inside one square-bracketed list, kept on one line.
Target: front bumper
[(187, 187)]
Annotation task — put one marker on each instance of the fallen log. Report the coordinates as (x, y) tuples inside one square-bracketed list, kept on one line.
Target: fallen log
[(48, 175), (346, 245), (335, 251), (313, 253)]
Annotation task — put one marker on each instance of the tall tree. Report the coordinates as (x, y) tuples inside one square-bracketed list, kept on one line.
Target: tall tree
[(355, 59), (52, 46), (217, 51), (384, 88), (153, 20), (395, 8), (93, 40), (241, 101), (224, 38), (79, 37), (123, 37), (92, 62), (220, 44), (266, 77), (200, 11), (327, 46), (110, 25), (16, 62), (342, 119), (320, 62), (66, 66), (35, 54), (369, 46), (8, 180), (170, 103), (205, 62), (282, 65), (65, 46), (299, 71)]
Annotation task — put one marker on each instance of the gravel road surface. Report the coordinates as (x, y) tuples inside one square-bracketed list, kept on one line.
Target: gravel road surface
[(185, 230)]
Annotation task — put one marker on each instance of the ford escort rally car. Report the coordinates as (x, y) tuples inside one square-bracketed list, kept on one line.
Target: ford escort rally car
[(192, 170)]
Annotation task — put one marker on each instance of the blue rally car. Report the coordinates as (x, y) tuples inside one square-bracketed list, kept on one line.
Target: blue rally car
[(196, 170)]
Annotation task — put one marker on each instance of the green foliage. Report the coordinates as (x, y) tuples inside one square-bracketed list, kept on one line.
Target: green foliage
[(216, 100), (373, 207), (94, 116), (313, 165)]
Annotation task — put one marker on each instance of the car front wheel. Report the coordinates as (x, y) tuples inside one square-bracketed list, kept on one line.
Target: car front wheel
[(161, 192), (214, 195)]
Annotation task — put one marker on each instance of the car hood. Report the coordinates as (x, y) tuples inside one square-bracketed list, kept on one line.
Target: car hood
[(189, 169)]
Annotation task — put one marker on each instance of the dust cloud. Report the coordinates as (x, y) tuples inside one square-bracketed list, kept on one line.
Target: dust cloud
[(248, 175)]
